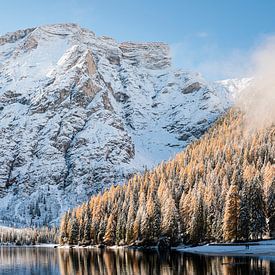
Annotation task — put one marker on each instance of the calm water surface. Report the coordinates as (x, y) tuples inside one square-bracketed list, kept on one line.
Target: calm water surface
[(17, 261)]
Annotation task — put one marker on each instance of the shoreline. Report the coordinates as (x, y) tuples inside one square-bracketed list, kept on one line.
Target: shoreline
[(263, 248), (46, 245), (257, 248)]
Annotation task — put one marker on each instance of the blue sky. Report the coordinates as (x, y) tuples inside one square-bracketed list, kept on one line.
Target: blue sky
[(213, 37)]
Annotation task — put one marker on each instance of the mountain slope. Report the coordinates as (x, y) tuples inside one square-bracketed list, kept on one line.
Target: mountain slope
[(79, 112), (220, 188)]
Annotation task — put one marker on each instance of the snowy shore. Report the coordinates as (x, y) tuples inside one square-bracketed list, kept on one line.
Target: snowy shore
[(261, 248), (43, 245)]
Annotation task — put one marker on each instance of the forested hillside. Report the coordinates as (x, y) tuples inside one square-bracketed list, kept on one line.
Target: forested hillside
[(221, 188)]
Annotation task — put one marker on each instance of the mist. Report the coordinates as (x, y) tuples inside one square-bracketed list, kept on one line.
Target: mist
[(257, 101)]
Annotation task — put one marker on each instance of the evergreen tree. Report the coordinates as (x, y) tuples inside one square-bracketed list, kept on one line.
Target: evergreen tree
[(130, 222), (257, 209), (64, 236), (197, 224), (153, 217), (87, 227), (81, 218), (73, 229), (244, 218), (231, 214), (170, 218), (269, 193), (110, 233)]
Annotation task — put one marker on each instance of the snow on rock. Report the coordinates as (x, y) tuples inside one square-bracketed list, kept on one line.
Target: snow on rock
[(80, 112), (235, 86)]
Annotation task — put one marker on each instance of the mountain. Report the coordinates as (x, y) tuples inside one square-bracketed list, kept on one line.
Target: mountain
[(80, 112), (236, 85)]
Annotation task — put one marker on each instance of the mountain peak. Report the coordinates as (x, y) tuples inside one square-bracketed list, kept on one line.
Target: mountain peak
[(12, 37), (62, 29)]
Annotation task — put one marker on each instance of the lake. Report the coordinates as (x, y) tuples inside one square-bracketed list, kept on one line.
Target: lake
[(30, 260)]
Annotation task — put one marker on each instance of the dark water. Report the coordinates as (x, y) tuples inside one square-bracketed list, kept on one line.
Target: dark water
[(17, 261)]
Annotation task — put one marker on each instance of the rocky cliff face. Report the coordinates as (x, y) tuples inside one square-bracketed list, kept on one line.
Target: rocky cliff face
[(80, 112)]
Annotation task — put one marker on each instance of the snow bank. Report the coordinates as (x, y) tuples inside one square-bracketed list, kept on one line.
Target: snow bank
[(264, 248)]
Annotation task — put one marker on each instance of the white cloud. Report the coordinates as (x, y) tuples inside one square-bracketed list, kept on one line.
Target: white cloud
[(258, 100), (202, 34)]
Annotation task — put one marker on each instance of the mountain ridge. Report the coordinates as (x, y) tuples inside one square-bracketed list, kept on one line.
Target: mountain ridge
[(80, 112)]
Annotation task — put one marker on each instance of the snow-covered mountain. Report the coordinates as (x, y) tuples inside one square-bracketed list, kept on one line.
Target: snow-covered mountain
[(236, 85), (80, 112)]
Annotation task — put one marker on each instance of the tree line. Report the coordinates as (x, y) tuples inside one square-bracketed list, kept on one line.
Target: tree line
[(28, 236), (220, 188)]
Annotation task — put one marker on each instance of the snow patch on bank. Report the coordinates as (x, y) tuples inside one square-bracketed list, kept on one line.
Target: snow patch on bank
[(261, 248)]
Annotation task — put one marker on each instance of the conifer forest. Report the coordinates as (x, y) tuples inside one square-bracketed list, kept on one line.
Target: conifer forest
[(220, 188)]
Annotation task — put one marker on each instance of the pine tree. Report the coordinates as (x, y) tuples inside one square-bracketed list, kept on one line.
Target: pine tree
[(130, 222), (153, 218), (64, 228), (244, 217), (257, 209), (170, 218), (87, 227), (110, 233), (141, 214), (82, 214), (197, 224), (73, 229), (269, 194), (136, 229), (145, 226), (185, 209), (121, 224), (231, 214)]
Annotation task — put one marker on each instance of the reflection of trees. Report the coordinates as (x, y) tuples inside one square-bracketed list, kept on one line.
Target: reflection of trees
[(28, 259), (123, 261)]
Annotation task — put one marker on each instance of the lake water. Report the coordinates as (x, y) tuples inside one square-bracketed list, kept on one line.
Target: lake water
[(17, 261)]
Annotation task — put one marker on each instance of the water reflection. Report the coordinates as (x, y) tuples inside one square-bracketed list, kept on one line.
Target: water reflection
[(21, 261), (114, 262)]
